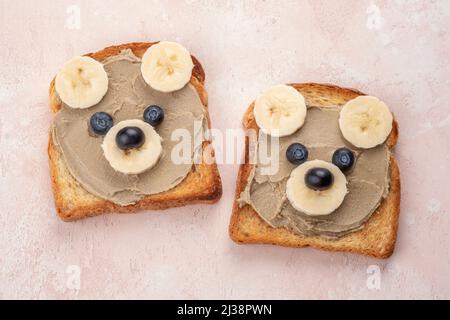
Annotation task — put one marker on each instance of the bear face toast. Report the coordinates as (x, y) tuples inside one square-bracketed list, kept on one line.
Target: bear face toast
[(114, 139), (336, 184)]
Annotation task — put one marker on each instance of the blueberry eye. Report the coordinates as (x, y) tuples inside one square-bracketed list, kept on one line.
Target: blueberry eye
[(101, 122), (153, 115), (344, 159), (297, 153)]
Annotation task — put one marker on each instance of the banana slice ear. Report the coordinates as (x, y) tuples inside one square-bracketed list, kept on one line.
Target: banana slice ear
[(167, 66), (365, 122), (82, 82), (280, 111)]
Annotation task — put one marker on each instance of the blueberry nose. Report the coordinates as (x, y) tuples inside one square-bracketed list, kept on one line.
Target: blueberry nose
[(319, 179), (130, 138)]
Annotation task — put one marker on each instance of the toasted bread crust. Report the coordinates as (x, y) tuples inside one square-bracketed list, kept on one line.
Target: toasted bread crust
[(73, 202), (379, 234)]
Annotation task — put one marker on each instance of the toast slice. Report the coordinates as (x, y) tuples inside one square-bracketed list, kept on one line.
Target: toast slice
[(201, 185), (378, 236)]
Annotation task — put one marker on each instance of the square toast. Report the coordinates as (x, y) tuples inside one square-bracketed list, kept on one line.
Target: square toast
[(378, 236), (73, 202)]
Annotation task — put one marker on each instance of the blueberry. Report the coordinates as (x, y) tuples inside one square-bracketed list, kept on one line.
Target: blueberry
[(297, 153), (130, 138), (101, 122), (153, 115), (319, 178), (343, 158)]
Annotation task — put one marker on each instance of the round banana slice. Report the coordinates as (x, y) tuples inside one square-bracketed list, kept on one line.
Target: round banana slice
[(167, 66), (314, 202), (81, 83), (365, 122), (280, 111), (132, 161)]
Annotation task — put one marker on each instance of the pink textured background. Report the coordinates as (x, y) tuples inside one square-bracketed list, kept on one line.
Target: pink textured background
[(400, 53)]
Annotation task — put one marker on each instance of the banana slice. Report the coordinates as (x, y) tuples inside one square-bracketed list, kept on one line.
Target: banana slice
[(167, 66), (280, 111), (132, 161), (82, 82), (365, 122), (313, 202)]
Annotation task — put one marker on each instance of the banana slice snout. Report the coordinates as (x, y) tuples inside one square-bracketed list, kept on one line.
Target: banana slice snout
[(365, 122), (316, 202), (81, 83), (136, 160), (167, 66), (280, 111)]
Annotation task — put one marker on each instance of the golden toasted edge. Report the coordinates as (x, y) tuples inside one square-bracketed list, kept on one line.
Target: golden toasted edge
[(202, 185), (376, 239)]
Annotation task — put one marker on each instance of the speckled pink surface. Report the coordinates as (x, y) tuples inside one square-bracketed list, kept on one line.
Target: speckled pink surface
[(396, 50)]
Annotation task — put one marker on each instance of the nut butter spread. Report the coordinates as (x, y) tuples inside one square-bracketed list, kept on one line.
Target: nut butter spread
[(368, 182), (127, 97)]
